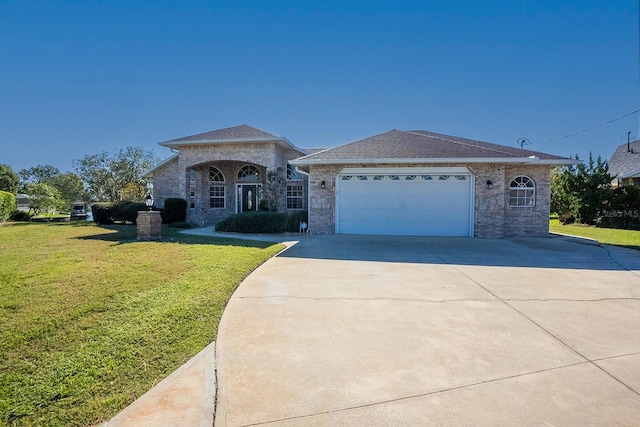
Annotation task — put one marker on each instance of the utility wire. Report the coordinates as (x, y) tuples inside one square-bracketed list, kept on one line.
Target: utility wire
[(586, 130)]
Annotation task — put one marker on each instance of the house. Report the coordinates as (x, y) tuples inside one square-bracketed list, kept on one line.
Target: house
[(222, 172), (23, 202), (625, 164), (396, 183)]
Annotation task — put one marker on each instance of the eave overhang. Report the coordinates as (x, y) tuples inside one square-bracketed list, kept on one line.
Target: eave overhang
[(304, 162)]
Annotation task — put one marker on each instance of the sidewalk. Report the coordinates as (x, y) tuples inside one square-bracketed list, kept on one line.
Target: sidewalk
[(184, 398), (187, 396)]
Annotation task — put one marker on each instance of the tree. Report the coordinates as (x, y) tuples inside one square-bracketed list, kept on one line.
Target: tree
[(43, 198), (108, 175), (38, 174), (70, 187), (9, 180), (583, 189), (560, 199), (273, 193)]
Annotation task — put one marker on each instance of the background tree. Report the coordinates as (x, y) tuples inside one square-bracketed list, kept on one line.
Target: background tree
[(9, 180), (108, 175), (70, 187), (560, 199), (38, 174), (43, 198), (584, 190)]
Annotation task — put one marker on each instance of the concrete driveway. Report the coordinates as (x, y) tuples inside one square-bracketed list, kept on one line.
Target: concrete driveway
[(403, 331)]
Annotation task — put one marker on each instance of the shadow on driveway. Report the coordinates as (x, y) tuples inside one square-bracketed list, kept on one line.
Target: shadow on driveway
[(551, 252)]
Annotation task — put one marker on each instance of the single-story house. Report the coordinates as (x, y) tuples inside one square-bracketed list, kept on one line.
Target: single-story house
[(396, 183), (625, 164)]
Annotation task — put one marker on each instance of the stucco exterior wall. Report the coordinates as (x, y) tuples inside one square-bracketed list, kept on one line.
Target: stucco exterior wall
[(493, 218)]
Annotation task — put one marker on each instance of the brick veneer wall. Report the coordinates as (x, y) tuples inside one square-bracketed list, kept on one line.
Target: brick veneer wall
[(492, 216), (172, 179), (534, 222), (165, 183)]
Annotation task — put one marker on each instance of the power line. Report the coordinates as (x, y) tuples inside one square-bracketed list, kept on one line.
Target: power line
[(577, 132)]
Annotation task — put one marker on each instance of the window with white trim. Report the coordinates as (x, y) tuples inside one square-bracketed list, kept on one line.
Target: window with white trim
[(522, 192), (217, 189), (293, 174), (248, 173), (294, 196), (192, 189)]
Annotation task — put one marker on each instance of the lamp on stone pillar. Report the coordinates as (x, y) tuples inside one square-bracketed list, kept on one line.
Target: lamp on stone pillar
[(148, 201), (149, 223)]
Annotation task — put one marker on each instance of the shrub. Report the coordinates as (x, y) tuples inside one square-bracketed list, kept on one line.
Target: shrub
[(254, 222), (175, 210), (20, 216), (622, 209), (294, 220), (102, 213), (263, 222), (127, 211), (7, 204), (567, 218)]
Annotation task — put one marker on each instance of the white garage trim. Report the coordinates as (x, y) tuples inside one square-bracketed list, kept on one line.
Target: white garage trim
[(430, 212)]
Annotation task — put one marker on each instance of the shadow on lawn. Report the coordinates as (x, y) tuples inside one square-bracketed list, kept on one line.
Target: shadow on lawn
[(127, 233)]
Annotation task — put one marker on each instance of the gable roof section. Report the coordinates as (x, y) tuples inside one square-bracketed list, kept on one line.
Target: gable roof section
[(232, 135), (149, 173), (625, 163), (397, 146)]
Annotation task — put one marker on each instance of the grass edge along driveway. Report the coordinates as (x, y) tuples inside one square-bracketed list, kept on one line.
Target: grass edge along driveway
[(607, 236), (90, 318)]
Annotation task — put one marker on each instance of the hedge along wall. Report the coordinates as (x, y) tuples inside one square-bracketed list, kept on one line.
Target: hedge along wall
[(7, 205)]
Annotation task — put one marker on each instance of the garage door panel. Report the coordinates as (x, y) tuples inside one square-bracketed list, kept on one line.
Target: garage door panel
[(408, 205)]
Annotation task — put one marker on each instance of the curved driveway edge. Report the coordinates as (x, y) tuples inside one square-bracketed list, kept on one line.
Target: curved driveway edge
[(371, 330)]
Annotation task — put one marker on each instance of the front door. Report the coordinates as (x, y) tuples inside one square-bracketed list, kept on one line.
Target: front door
[(247, 197)]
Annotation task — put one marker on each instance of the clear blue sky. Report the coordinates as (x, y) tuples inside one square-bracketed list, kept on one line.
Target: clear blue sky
[(81, 77)]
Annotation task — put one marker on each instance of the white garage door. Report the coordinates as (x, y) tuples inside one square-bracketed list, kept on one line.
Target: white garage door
[(405, 201)]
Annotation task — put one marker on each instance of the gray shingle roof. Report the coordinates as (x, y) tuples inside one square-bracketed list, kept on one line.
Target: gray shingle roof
[(232, 133), (419, 144), (623, 162)]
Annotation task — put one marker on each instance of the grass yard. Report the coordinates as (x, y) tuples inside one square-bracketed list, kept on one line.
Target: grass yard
[(90, 318), (609, 236)]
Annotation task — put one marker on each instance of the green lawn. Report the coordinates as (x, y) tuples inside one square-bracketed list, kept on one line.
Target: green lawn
[(610, 236), (90, 318)]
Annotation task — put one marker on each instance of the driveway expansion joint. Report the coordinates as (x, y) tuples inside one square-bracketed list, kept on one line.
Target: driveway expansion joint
[(573, 300), (419, 395), (548, 332), (367, 299)]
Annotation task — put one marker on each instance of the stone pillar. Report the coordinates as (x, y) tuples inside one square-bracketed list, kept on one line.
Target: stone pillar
[(149, 225)]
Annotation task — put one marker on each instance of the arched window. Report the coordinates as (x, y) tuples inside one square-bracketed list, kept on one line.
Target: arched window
[(293, 174), (522, 192), (217, 189), (248, 173)]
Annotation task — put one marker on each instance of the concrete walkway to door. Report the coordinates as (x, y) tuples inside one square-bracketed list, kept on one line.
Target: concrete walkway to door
[(388, 331)]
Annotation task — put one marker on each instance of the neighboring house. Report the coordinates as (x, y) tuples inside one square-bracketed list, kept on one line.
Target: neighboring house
[(395, 183), (23, 202), (625, 164)]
